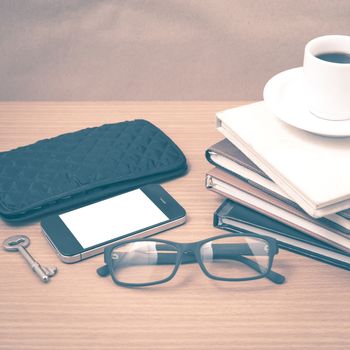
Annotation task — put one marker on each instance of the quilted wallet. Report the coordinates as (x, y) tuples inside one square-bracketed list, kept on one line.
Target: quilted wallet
[(77, 168)]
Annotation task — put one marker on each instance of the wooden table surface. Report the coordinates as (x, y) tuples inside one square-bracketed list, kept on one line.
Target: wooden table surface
[(79, 310)]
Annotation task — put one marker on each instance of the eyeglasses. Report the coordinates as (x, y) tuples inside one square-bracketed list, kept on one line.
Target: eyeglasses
[(229, 257)]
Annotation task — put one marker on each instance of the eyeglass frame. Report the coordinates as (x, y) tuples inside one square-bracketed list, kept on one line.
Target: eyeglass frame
[(194, 248)]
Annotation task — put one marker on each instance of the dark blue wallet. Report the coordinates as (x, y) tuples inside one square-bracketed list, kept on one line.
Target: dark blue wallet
[(78, 168)]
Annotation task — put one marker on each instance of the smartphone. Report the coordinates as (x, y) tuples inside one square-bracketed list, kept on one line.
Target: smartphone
[(85, 232)]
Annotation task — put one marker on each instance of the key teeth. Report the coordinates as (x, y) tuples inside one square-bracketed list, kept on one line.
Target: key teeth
[(50, 271)]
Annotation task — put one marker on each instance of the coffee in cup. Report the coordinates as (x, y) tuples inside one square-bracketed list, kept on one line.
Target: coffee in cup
[(327, 76), (335, 57)]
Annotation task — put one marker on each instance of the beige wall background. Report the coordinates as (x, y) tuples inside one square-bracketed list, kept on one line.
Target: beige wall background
[(156, 49)]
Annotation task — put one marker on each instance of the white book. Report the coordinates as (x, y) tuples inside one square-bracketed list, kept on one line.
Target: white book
[(312, 170)]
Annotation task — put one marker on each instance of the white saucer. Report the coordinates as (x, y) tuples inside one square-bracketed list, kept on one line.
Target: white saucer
[(284, 95)]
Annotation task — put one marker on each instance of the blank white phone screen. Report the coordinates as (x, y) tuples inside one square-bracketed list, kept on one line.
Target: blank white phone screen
[(112, 218)]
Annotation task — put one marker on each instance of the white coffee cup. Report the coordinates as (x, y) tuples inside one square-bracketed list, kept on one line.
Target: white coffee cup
[(327, 83)]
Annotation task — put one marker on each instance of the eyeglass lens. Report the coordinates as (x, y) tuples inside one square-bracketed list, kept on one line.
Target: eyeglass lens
[(143, 262), (236, 257)]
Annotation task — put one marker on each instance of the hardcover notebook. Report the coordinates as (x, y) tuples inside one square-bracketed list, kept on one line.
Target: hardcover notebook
[(228, 157), (240, 218), (313, 170), (232, 187)]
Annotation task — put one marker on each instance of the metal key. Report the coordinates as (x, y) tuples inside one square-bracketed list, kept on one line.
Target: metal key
[(20, 243)]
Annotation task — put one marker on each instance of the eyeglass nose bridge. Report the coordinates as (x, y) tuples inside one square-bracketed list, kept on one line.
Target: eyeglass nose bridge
[(188, 248), (189, 253)]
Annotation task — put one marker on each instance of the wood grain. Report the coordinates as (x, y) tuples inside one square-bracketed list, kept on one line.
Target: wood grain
[(79, 310)]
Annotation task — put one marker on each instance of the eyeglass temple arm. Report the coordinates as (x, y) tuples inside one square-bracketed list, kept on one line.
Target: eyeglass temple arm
[(241, 250), (103, 271), (272, 275)]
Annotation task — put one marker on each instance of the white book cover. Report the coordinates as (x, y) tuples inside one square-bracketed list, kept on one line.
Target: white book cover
[(313, 170)]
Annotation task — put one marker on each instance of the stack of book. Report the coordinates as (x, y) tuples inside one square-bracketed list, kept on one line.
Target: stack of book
[(282, 182)]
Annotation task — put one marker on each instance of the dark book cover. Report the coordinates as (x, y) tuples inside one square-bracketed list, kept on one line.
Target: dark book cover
[(233, 215)]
